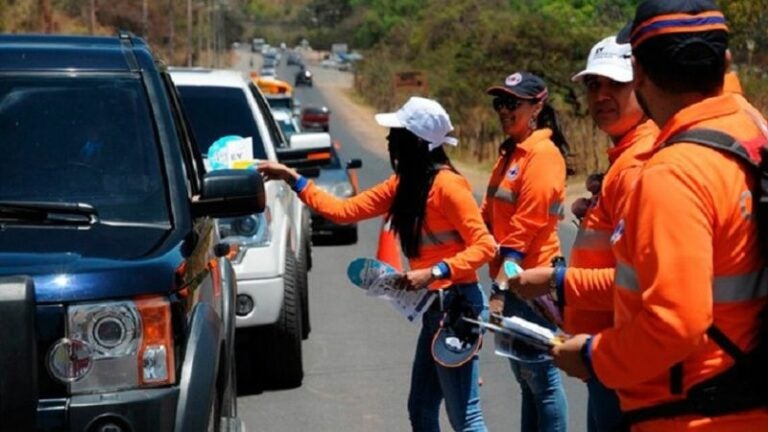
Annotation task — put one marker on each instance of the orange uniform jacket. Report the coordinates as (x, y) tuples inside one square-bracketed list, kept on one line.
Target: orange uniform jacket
[(524, 201), (453, 230), (589, 292), (687, 257)]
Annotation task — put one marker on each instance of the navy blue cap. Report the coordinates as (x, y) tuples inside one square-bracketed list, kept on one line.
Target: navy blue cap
[(523, 85), (453, 347), (663, 17)]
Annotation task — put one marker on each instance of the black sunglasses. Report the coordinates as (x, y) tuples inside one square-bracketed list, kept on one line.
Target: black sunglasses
[(510, 103)]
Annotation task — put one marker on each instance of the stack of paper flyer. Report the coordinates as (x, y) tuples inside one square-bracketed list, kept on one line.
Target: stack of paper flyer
[(520, 339)]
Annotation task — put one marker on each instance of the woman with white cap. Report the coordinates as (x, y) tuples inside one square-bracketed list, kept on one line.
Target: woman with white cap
[(430, 206), (522, 206)]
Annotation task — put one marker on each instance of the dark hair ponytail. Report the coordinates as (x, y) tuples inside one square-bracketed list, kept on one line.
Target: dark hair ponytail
[(548, 119), (416, 168)]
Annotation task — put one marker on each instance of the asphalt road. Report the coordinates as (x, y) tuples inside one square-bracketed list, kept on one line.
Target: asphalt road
[(358, 357)]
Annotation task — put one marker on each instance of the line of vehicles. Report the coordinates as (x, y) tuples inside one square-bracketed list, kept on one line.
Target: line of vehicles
[(139, 289)]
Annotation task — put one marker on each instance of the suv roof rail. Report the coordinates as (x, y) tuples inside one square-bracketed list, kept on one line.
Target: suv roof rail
[(126, 40)]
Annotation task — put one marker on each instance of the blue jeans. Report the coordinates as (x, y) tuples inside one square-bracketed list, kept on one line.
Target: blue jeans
[(545, 408), (603, 411), (431, 383)]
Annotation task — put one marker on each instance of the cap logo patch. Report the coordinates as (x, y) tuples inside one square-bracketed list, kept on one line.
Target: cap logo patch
[(513, 79)]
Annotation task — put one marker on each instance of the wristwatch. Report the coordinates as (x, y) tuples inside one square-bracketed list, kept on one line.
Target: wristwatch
[(553, 284), (437, 272)]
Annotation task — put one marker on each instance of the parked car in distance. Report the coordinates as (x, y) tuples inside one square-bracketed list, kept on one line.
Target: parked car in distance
[(315, 118), (340, 179), (303, 78), (294, 59), (271, 86), (274, 249), (328, 63), (118, 299), (268, 72), (257, 44), (269, 62)]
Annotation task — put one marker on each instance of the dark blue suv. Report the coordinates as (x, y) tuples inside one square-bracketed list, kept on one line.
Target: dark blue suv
[(116, 295)]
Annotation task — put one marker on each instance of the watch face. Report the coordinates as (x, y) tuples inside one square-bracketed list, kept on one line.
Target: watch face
[(436, 272)]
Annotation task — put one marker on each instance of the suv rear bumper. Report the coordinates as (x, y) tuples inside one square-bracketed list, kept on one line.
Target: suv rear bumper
[(267, 295), (150, 410)]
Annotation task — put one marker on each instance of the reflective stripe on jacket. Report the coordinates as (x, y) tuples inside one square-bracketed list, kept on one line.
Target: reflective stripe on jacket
[(453, 229), (687, 257), (524, 200), (589, 295)]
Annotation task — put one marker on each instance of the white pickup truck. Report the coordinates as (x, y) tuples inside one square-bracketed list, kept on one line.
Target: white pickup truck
[(274, 252)]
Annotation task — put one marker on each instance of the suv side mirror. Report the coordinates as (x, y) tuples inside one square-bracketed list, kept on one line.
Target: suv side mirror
[(354, 164), (230, 193), (306, 150)]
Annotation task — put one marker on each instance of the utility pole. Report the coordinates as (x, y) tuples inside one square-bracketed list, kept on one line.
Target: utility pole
[(145, 20), (171, 31), (189, 33), (212, 36), (45, 17), (92, 17)]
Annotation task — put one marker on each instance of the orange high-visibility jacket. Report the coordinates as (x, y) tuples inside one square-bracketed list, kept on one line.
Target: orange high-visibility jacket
[(731, 83), (687, 257), (589, 294), (524, 201), (453, 230)]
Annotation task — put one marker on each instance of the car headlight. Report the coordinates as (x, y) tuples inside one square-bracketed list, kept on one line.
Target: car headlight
[(115, 345), (340, 189), (249, 231)]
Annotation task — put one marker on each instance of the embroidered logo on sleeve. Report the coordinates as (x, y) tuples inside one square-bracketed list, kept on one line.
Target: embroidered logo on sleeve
[(513, 172)]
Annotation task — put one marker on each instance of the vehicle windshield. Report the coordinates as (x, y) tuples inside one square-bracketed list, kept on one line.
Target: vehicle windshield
[(216, 112), (287, 126), (81, 139), (280, 102)]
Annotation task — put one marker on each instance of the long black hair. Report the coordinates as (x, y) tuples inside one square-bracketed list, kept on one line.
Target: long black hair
[(548, 119), (416, 168)]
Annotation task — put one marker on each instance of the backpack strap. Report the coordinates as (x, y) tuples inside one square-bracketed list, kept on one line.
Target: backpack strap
[(714, 139), (725, 143), (713, 396)]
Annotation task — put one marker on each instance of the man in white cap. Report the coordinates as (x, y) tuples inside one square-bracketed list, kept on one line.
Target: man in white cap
[(585, 288)]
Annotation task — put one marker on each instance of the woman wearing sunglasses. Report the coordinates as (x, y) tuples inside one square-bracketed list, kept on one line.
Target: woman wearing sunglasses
[(522, 207)]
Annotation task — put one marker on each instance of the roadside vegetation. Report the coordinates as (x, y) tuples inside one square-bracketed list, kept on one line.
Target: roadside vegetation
[(462, 46)]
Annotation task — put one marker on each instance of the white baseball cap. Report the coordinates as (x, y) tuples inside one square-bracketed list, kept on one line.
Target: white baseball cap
[(609, 59), (425, 118)]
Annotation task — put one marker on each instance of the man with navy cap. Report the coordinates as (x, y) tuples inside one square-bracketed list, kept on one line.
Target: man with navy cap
[(689, 284)]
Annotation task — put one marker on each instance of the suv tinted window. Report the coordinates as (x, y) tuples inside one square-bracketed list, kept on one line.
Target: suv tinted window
[(81, 139), (215, 112)]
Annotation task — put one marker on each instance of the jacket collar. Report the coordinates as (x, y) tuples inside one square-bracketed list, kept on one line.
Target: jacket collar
[(537, 136), (685, 119), (632, 137)]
